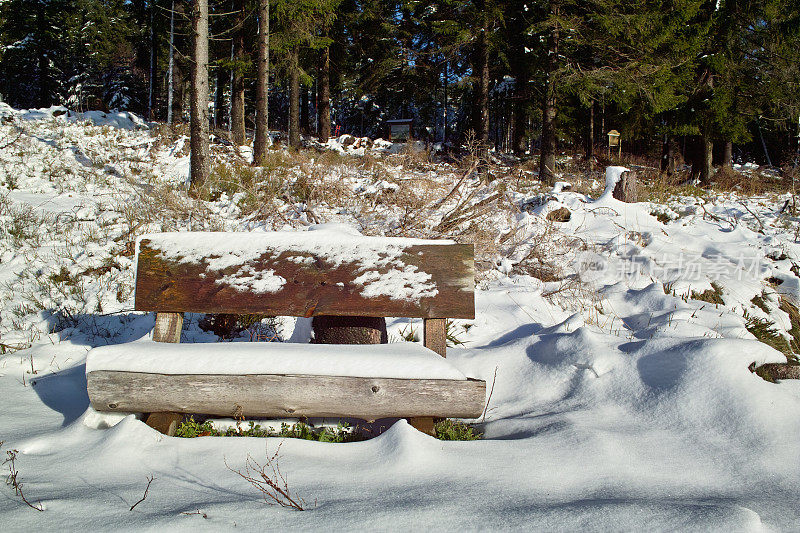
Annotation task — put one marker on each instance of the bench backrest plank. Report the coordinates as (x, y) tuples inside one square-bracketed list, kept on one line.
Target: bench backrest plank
[(419, 280)]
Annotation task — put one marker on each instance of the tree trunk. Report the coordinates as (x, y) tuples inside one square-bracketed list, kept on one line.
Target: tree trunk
[(42, 62), (519, 111), (325, 96), (151, 82), (705, 159), (304, 119), (171, 67), (219, 89), (446, 132), (294, 97), (237, 84), (727, 155), (547, 163), (481, 68), (590, 139), (668, 155), (261, 141), (199, 160), (349, 330)]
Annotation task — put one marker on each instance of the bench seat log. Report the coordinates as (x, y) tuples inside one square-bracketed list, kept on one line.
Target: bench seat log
[(273, 395)]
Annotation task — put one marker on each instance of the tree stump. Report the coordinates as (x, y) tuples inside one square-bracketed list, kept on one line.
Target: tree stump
[(349, 330), (627, 188)]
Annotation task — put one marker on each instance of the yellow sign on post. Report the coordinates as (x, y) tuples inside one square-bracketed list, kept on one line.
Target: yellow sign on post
[(614, 139)]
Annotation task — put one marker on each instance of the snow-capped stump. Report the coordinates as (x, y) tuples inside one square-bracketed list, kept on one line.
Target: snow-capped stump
[(621, 184), (324, 273), (627, 188)]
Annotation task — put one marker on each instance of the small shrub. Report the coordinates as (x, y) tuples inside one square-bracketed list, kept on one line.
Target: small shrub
[(764, 330), (453, 335), (228, 326), (712, 295), (409, 334), (794, 318), (662, 217), (453, 430), (63, 277), (760, 301)]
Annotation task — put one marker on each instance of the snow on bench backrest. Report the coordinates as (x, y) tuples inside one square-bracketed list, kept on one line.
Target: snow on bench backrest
[(310, 273)]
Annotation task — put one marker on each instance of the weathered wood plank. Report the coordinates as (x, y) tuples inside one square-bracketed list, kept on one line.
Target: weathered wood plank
[(313, 286), (263, 395), (434, 333), (168, 327)]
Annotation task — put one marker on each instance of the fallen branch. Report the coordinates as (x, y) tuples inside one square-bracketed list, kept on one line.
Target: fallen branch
[(455, 188), (147, 488), (489, 399), (761, 224)]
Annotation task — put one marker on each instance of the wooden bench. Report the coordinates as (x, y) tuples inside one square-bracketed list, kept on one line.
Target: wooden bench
[(305, 274)]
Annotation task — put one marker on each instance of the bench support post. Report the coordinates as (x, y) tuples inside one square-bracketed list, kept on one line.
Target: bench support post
[(168, 329), (423, 424), (165, 423), (434, 336), (434, 333)]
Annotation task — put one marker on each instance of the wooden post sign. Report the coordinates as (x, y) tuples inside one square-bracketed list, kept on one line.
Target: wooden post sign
[(614, 139)]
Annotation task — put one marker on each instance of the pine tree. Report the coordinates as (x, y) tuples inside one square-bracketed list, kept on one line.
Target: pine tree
[(298, 22)]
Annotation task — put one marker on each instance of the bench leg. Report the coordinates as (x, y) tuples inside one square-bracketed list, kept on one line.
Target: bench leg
[(422, 423), (434, 331), (165, 423), (168, 327)]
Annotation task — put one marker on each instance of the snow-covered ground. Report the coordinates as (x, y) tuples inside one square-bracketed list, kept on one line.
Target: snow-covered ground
[(619, 400)]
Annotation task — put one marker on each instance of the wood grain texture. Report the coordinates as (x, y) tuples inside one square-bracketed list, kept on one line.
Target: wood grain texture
[(168, 327), (434, 334), (314, 287), (261, 395)]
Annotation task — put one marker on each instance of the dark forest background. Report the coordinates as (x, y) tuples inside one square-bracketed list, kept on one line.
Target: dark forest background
[(707, 79)]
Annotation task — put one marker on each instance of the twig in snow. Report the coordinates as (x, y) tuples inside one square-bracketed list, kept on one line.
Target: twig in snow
[(13, 479), (270, 481), (197, 512), (761, 224), (147, 488), (489, 399), (716, 218)]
